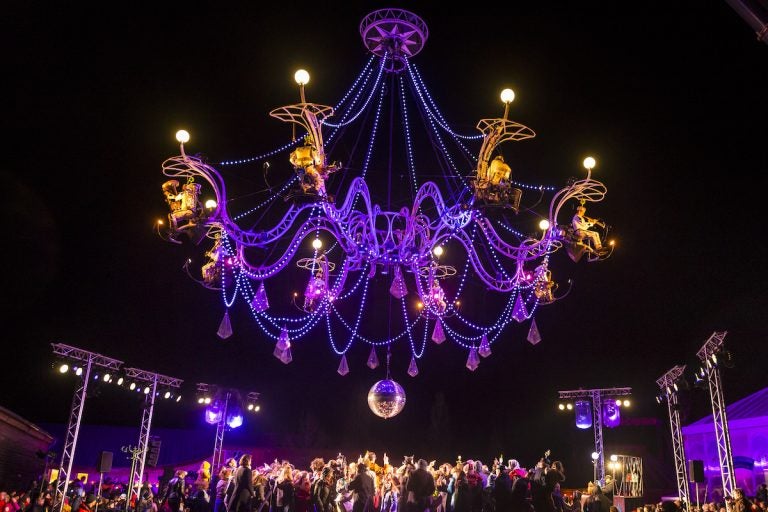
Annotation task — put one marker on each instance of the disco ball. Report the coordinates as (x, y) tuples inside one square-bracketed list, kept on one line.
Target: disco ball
[(386, 398)]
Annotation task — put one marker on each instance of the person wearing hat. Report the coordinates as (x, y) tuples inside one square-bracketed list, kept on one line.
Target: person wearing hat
[(582, 228), (88, 504)]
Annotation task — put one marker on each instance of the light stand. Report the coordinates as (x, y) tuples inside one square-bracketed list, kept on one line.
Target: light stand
[(596, 397), (708, 356), (90, 359), (667, 384)]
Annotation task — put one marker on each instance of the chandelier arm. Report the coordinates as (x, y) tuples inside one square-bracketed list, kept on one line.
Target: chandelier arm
[(501, 285), (260, 272)]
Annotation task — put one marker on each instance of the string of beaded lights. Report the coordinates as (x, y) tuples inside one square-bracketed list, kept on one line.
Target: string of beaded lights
[(386, 223)]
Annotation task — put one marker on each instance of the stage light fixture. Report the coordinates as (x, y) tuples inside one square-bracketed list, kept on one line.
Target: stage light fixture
[(257, 408), (595, 455), (207, 400), (626, 403), (561, 407), (146, 390), (78, 371), (167, 395), (250, 407), (569, 406), (106, 377), (132, 386), (63, 368), (200, 400), (120, 381), (614, 458), (178, 398)]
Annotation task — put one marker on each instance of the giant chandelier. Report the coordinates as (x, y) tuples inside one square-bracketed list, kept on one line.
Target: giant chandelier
[(383, 254)]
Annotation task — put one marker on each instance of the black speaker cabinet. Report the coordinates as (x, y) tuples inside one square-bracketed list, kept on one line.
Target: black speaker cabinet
[(696, 471), (105, 462)]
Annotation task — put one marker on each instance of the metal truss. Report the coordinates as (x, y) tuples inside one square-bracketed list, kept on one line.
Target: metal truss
[(218, 444), (667, 384), (89, 359), (153, 379), (711, 348), (596, 397)]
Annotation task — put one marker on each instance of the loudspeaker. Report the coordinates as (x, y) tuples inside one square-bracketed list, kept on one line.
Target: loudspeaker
[(105, 462), (696, 471)]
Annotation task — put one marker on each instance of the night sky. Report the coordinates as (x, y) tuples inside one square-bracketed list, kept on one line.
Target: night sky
[(670, 97)]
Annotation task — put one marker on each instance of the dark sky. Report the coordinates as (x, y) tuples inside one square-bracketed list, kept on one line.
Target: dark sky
[(670, 97)]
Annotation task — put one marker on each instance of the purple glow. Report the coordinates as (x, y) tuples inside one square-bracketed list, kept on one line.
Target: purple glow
[(611, 414), (213, 414), (583, 411)]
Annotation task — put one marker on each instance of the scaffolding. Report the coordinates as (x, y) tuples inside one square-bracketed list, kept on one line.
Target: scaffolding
[(152, 380), (668, 385), (88, 360), (596, 397), (708, 356)]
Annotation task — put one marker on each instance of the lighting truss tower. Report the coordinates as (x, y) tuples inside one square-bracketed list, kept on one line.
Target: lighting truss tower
[(710, 348), (89, 360), (153, 380), (667, 384), (596, 396)]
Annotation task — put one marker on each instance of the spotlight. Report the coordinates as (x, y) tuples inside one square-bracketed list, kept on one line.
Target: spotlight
[(64, 368), (250, 407), (569, 407), (200, 400), (146, 390), (167, 395), (132, 386), (106, 377), (78, 371), (120, 381), (659, 399), (207, 400), (561, 407), (317, 243), (595, 455), (618, 402), (178, 398), (626, 403), (614, 458), (256, 408)]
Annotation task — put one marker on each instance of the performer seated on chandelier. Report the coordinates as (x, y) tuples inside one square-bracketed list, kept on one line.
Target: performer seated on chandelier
[(184, 205), (212, 270), (315, 291), (437, 297), (311, 168), (581, 228), (544, 288)]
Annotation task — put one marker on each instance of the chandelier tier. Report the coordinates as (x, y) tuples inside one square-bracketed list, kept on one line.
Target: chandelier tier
[(464, 254)]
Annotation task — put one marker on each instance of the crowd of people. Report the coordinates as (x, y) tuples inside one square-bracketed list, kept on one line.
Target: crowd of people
[(362, 485)]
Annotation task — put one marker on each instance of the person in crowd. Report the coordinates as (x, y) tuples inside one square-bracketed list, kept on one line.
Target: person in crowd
[(323, 492), (303, 492), (421, 484), (176, 491), (597, 502), (740, 502), (285, 490), (219, 502), (88, 503), (243, 486), (458, 490), (362, 487)]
